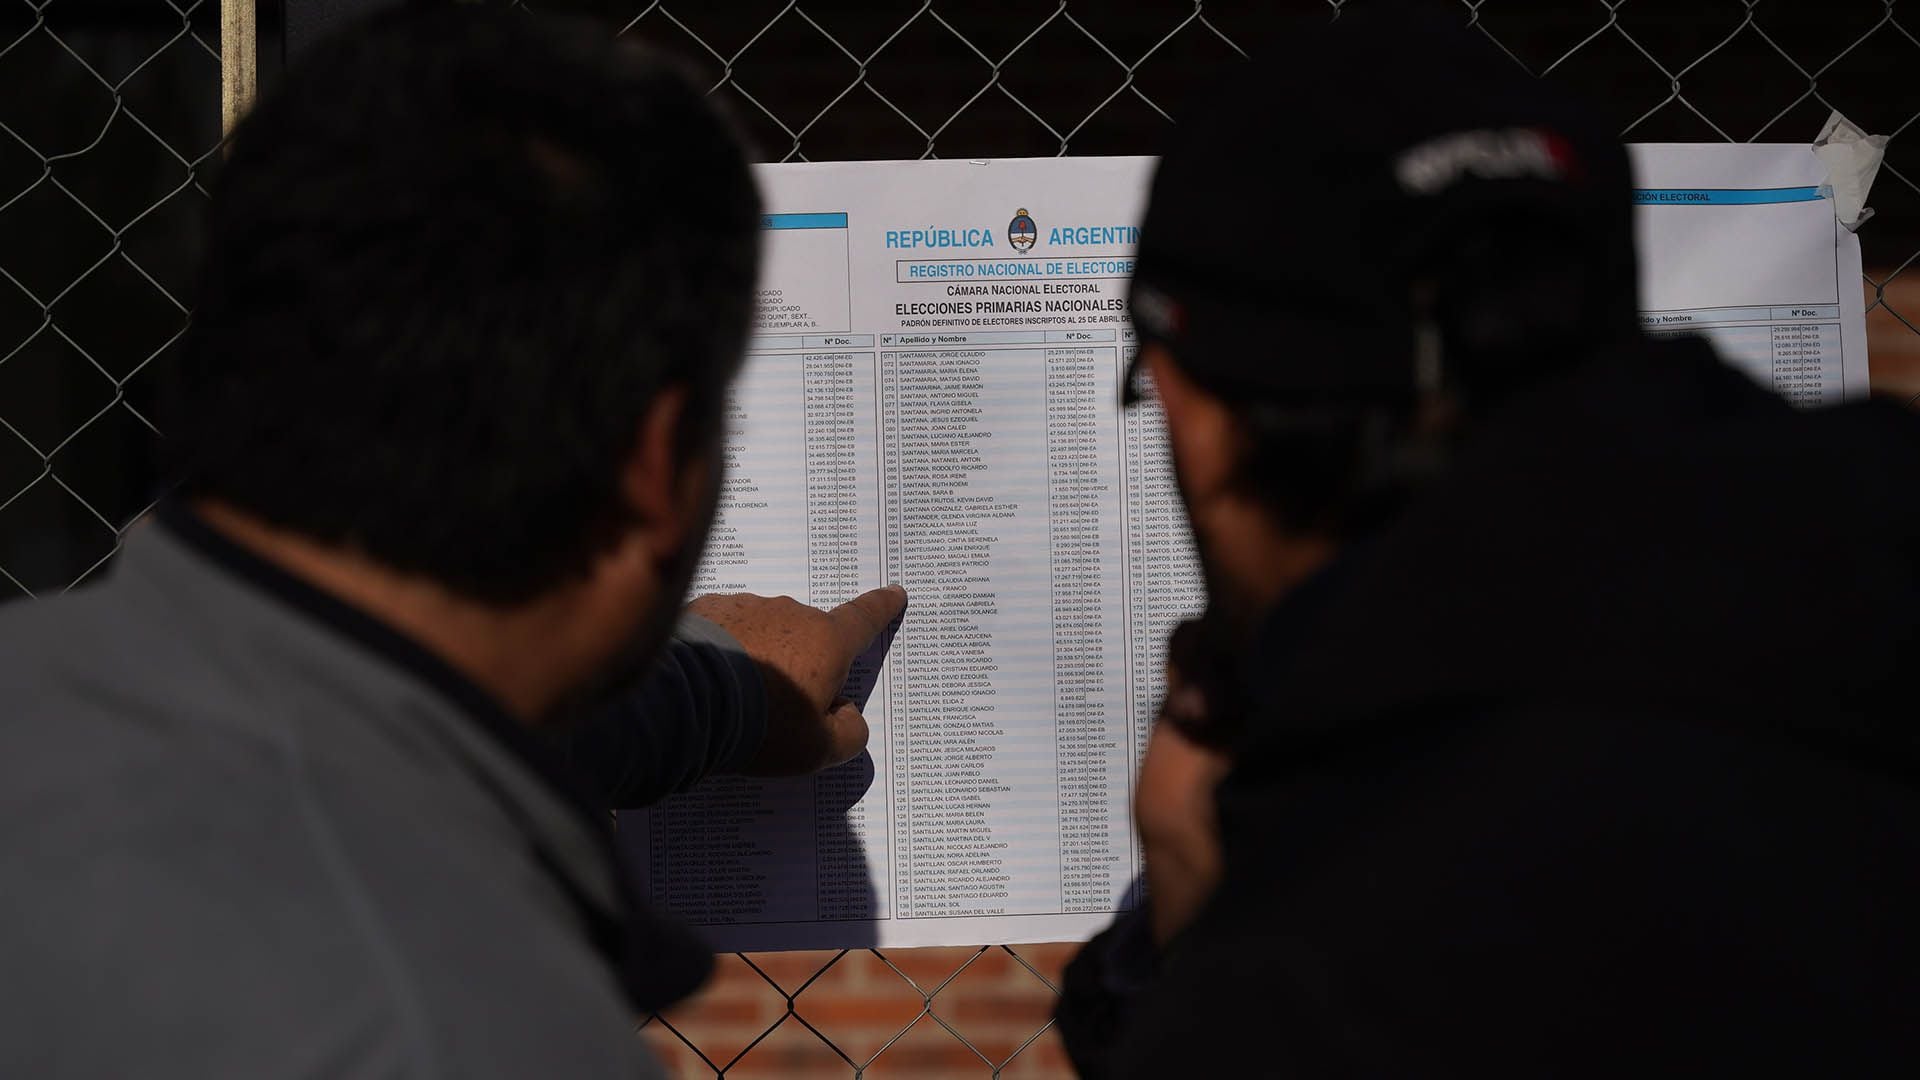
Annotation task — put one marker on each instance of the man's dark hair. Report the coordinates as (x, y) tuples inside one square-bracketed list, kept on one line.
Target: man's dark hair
[(451, 261)]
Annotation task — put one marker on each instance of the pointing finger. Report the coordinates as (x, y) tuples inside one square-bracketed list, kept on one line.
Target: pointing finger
[(865, 617)]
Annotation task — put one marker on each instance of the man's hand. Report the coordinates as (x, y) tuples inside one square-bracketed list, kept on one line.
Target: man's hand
[(804, 655), (1174, 808)]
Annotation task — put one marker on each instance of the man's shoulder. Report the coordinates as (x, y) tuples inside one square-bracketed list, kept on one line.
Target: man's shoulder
[(39, 631), (100, 686), (1557, 871), (191, 882), (105, 631)]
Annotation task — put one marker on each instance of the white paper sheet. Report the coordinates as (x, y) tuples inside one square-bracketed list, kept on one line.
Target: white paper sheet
[(932, 400), (1740, 245)]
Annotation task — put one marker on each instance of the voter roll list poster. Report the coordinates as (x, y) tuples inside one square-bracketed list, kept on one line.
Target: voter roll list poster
[(932, 397)]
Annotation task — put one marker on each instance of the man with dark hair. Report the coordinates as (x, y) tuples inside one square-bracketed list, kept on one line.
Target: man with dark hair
[(1552, 714), (317, 783)]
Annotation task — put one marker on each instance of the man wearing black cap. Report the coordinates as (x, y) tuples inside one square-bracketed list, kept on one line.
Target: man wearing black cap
[(1553, 711)]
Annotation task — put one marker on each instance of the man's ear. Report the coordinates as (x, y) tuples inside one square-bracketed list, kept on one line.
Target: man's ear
[(665, 481), (1200, 430)]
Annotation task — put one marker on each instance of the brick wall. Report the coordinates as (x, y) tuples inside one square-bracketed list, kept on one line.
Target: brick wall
[(1893, 348), (905, 1012)]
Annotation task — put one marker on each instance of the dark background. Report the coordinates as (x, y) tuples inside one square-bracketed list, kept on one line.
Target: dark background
[(110, 114)]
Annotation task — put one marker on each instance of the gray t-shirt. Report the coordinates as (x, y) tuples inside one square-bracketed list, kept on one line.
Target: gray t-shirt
[(238, 838)]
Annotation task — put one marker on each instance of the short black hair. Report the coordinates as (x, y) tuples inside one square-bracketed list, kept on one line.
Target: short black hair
[(450, 262)]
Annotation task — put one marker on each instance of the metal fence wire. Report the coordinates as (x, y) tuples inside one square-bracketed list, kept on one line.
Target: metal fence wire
[(109, 125)]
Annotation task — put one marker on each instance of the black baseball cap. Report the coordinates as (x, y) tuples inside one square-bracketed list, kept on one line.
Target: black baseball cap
[(1310, 201)]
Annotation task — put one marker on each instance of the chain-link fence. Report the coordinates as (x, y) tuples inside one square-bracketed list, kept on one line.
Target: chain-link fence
[(108, 117), (109, 121)]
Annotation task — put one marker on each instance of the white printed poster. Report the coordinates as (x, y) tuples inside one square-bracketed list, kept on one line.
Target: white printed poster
[(932, 399)]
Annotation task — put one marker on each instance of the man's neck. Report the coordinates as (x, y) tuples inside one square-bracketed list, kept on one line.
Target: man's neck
[(519, 655)]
